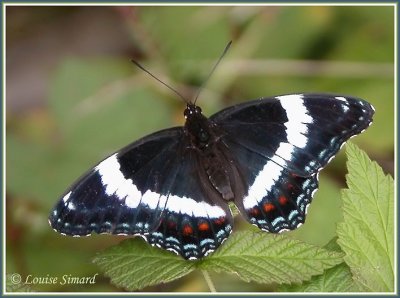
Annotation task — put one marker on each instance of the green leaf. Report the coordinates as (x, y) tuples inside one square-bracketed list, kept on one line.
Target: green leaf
[(335, 279), (366, 234), (134, 264), (332, 245), (266, 258)]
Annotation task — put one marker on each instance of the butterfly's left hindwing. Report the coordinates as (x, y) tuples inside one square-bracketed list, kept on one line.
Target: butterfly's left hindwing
[(280, 144), (196, 220)]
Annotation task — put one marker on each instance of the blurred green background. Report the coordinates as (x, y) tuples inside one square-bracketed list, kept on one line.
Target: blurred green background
[(73, 97)]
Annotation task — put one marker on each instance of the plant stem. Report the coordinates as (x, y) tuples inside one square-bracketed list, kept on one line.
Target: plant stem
[(209, 282)]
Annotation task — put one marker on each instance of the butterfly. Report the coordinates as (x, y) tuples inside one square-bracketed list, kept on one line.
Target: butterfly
[(173, 187)]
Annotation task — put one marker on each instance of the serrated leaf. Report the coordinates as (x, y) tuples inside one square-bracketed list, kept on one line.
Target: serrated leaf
[(335, 279), (134, 264), (366, 234), (266, 258), (332, 245)]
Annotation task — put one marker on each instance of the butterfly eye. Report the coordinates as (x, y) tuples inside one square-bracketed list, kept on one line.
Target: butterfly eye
[(188, 111)]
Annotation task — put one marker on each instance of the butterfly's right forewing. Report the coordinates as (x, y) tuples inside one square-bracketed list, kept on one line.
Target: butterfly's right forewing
[(280, 144)]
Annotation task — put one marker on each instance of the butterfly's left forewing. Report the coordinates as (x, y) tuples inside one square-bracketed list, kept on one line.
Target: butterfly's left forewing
[(112, 197), (279, 145)]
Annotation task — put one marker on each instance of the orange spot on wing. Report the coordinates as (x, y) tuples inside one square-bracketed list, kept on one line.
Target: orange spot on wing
[(219, 221), (204, 226), (268, 207), (254, 211), (171, 224), (187, 230), (283, 200)]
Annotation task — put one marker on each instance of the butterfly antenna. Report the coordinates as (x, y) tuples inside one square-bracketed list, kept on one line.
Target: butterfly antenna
[(165, 84), (212, 70)]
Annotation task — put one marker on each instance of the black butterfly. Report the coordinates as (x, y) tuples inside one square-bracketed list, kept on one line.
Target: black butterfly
[(173, 186)]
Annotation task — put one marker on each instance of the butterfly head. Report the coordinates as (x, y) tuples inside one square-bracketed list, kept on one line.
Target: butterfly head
[(192, 111)]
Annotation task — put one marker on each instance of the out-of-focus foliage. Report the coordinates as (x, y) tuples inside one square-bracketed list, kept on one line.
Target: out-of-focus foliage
[(96, 104)]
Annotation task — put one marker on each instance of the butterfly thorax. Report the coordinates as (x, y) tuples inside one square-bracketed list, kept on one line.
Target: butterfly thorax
[(205, 139)]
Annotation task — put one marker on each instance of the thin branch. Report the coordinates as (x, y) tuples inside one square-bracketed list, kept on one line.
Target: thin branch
[(303, 68)]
